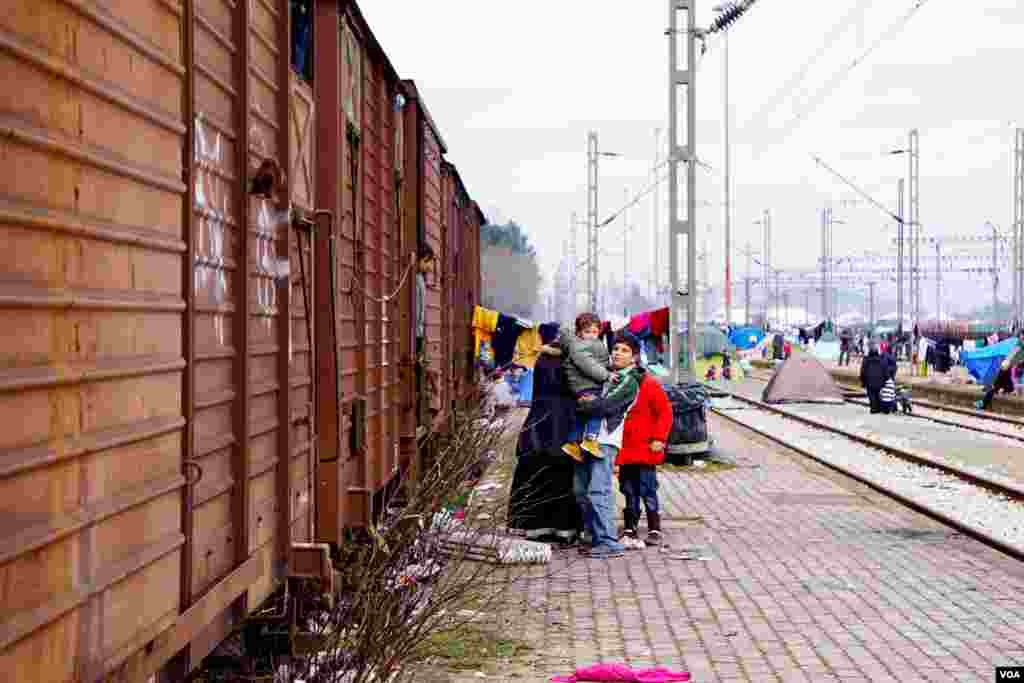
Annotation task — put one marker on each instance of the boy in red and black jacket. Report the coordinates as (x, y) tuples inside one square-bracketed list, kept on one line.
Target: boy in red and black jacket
[(643, 449)]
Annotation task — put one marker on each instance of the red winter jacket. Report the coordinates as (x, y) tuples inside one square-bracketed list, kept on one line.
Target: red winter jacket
[(649, 420)]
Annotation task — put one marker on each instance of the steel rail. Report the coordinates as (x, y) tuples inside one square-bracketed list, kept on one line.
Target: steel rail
[(936, 406), (927, 510)]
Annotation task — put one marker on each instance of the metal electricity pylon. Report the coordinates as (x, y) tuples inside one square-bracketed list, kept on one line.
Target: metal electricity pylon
[(592, 220), (1018, 224), (914, 223), (681, 148)]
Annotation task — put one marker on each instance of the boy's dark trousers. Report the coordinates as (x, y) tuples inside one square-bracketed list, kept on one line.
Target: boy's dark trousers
[(640, 483)]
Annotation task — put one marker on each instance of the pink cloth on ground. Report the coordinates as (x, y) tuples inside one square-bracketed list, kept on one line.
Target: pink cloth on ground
[(622, 672)]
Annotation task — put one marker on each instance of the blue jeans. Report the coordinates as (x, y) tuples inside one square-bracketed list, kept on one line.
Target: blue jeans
[(592, 484), (591, 426), (639, 483)]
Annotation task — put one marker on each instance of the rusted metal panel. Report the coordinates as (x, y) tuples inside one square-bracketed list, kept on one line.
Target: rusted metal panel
[(150, 329), (329, 126), (357, 86), (93, 351)]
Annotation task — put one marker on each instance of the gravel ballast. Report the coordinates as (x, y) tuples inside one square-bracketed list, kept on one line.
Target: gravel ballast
[(970, 505)]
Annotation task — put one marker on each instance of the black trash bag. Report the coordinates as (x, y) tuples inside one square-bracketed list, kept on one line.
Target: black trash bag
[(689, 419)]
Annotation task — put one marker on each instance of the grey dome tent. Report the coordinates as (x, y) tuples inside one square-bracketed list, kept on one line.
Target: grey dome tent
[(710, 341), (802, 379)]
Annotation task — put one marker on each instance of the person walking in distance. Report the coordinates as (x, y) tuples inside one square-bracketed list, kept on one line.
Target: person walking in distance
[(874, 372), (1004, 377), (845, 346), (643, 449), (593, 481)]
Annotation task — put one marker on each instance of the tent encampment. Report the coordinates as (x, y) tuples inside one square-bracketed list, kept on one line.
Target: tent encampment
[(710, 340), (983, 364), (745, 338), (802, 379), (827, 348)]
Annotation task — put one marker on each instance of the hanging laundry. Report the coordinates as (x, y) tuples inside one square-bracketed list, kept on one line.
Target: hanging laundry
[(619, 323), (504, 341), (659, 322), (640, 324), (485, 321), (528, 347)]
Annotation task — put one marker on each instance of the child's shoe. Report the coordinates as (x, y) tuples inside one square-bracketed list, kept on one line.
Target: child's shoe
[(630, 541), (653, 538), (591, 446), (573, 451)]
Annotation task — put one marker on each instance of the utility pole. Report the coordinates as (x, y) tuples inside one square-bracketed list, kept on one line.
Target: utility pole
[(682, 148), (995, 274), (767, 256), (1018, 224), (749, 253), (573, 263), (914, 221), (901, 228), (871, 303), (826, 259), (592, 285), (656, 228), (625, 255), (705, 277), (728, 177)]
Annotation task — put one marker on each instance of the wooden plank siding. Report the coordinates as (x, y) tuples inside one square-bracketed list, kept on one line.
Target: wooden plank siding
[(156, 362)]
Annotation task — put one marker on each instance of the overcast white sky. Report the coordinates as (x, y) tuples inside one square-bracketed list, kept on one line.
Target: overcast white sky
[(515, 87)]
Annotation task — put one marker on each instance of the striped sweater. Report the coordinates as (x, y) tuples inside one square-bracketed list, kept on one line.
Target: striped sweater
[(888, 392)]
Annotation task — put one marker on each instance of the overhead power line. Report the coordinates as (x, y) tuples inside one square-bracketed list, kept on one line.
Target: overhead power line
[(643, 193), (842, 26), (841, 75)]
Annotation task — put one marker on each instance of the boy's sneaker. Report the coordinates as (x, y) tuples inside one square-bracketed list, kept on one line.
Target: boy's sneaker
[(573, 451), (631, 542), (653, 538), (604, 552), (591, 446)]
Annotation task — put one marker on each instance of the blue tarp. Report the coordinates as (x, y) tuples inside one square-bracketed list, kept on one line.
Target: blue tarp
[(741, 337), (983, 364), (522, 386)]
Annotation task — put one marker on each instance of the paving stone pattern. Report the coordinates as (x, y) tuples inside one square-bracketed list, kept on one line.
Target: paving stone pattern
[(809, 577)]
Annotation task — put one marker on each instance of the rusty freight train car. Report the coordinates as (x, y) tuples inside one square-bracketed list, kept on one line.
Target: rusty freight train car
[(462, 222), (155, 369), (208, 351), (364, 273)]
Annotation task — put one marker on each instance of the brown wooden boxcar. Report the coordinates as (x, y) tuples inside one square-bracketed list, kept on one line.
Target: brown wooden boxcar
[(359, 173), (193, 377), (462, 230), (155, 366)]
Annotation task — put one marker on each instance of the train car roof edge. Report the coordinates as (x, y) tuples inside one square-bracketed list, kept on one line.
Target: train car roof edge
[(351, 8), (413, 93)]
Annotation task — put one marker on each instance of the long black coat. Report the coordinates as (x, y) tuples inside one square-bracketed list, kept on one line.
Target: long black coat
[(874, 372)]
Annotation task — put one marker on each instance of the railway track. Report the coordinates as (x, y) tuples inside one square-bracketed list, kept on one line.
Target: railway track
[(984, 508), (976, 420)]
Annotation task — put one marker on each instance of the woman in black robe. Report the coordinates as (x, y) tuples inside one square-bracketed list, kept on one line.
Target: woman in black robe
[(542, 502)]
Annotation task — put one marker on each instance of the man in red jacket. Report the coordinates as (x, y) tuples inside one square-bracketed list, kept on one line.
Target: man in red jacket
[(643, 449)]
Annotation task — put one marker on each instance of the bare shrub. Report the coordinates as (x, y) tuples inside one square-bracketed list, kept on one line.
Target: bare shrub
[(404, 580)]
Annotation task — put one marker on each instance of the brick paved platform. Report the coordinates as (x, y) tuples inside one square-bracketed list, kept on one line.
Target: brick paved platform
[(811, 577)]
